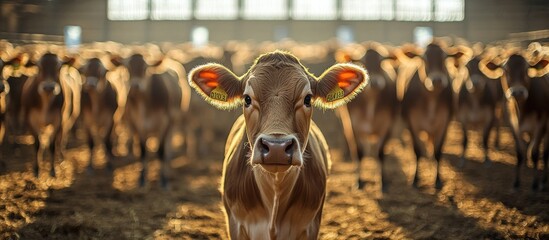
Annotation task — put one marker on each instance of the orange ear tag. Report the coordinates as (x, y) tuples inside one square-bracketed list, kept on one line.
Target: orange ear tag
[(335, 94), (219, 94)]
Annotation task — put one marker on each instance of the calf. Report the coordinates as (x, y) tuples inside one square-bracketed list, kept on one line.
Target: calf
[(427, 103), (477, 103), (98, 107), (526, 91), (154, 101), (374, 111), (276, 159), (48, 106)]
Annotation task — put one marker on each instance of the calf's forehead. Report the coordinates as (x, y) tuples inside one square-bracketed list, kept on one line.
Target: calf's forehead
[(268, 81)]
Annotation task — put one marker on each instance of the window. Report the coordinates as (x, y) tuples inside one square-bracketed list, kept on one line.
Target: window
[(367, 10), (423, 36), (216, 9), (128, 9), (414, 10), (265, 9), (449, 10), (345, 34), (314, 9), (199, 36), (171, 9)]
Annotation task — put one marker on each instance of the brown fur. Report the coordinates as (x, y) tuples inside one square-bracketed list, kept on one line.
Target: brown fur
[(49, 114), (98, 106), (527, 113), (373, 113), (261, 203), (154, 102), (427, 104)]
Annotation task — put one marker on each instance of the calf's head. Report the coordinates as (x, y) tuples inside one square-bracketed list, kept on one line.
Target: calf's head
[(277, 95), (94, 75), (49, 71), (437, 77)]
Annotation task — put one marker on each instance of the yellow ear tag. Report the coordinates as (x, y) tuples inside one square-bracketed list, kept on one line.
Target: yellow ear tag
[(219, 94), (335, 94)]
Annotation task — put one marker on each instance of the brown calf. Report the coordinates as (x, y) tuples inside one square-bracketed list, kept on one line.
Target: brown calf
[(526, 88), (154, 102), (478, 99), (276, 159), (49, 107), (374, 112), (427, 103), (98, 107)]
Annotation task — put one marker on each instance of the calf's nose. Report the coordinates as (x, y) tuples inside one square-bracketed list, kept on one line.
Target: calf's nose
[(277, 151)]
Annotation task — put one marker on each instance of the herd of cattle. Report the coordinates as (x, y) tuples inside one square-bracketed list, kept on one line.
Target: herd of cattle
[(276, 159)]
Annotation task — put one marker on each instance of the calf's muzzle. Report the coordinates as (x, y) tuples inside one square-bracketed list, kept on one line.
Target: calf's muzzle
[(277, 150)]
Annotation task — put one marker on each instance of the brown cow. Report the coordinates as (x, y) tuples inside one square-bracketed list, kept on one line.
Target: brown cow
[(427, 103), (49, 107), (276, 159), (98, 106), (478, 99), (374, 112), (526, 88), (155, 100)]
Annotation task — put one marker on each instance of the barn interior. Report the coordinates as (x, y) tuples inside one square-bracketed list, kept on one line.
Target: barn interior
[(96, 194)]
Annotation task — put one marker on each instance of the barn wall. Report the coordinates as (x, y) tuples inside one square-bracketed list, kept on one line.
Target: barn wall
[(486, 21)]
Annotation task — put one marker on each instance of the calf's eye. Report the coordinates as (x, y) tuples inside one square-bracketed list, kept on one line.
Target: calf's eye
[(247, 100), (307, 101)]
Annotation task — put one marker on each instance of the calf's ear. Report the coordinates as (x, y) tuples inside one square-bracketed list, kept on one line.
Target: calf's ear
[(218, 85), (339, 85), (539, 69), (490, 69)]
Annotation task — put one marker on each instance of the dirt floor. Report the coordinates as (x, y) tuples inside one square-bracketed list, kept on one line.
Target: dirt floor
[(475, 203)]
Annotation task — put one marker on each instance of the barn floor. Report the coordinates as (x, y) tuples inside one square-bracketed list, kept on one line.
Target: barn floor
[(475, 203)]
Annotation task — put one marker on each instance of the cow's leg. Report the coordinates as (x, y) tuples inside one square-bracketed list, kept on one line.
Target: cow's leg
[(418, 151), (438, 144), (485, 139), (164, 154), (143, 176), (534, 154), (359, 157), (37, 148), (91, 146), (381, 157), (543, 183), (55, 144), (521, 156), (497, 128), (109, 147), (464, 142)]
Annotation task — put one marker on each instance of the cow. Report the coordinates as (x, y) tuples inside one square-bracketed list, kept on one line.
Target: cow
[(427, 102), (157, 97), (99, 103), (525, 83), (373, 112), (276, 159), (16, 75), (49, 105), (478, 99)]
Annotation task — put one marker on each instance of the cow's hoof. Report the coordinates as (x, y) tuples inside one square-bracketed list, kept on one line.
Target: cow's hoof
[(164, 183), (361, 184), (462, 162), (415, 184), (438, 184), (487, 162), (384, 188), (142, 180)]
